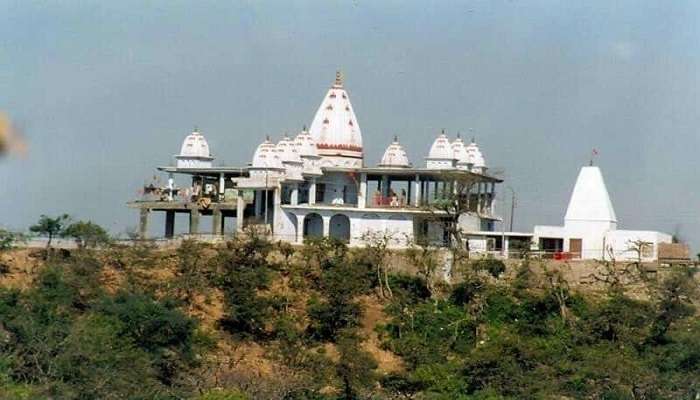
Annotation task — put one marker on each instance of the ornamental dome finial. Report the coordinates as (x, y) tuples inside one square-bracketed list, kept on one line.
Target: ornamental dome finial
[(338, 78)]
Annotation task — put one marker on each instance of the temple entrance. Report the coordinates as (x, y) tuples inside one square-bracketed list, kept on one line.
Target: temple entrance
[(313, 225), (340, 227), (575, 247)]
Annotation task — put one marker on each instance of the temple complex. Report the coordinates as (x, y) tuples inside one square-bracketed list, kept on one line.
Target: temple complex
[(317, 184)]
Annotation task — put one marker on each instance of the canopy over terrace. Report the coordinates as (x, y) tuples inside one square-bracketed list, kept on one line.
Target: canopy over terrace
[(411, 187)]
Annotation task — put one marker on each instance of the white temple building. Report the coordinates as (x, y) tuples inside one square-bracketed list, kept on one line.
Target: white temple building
[(318, 183), (590, 226)]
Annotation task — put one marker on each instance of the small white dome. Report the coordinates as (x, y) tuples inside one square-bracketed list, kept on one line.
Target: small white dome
[(395, 156), (474, 156), (306, 146), (459, 151), (195, 145), (287, 150), (266, 156), (441, 148)]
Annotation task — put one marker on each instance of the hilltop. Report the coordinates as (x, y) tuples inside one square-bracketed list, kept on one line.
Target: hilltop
[(253, 319)]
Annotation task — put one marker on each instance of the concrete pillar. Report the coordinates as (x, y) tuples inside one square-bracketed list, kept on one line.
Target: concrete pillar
[(478, 197), (312, 191), (194, 221), (409, 190), (143, 223), (258, 202), (222, 185), (276, 209), (300, 228), (362, 195), (326, 225), (169, 224), (506, 246), (171, 186), (240, 208), (417, 195), (385, 186), (294, 196), (216, 221)]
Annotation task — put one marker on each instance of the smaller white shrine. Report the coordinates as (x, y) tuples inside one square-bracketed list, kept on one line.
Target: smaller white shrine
[(194, 152), (590, 227)]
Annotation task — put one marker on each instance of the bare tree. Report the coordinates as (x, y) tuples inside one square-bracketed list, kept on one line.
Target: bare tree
[(452, 202), (425, 258), (376, 244), (558, 286)]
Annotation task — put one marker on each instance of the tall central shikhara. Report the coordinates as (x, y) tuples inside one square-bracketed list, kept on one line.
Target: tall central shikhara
[(335, 129)]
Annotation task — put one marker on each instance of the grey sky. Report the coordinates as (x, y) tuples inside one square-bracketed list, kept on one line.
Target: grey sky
[(105, 91)]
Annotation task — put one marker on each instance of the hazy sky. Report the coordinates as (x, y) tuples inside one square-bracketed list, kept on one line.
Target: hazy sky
[(106, 91)]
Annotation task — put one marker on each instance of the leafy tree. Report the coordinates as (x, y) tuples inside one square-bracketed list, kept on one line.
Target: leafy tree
[(66, 338), (50, 227), (674, 297), (491, 265), (242, 272), (337, 309), (355, 367), (222, 395), (86, 234), (9, 239), (85, 370), (193, 273), (157, 328)]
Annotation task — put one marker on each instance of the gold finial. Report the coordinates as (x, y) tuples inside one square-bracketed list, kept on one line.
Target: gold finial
[(338, 78), (303, 128), (396, 138)]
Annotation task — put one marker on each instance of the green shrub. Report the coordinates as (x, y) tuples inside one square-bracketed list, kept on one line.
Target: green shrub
[(491, 265)]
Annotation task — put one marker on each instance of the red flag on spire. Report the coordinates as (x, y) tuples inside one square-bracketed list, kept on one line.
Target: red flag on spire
[(594, 153)]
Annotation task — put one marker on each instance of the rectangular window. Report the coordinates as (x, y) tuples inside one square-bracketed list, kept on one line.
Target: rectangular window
[(320, 192)]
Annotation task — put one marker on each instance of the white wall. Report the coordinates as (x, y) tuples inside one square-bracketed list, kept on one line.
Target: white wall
[(592, 235), (398, 226), (193, 163), (548, 231), (621, 242), (470, 223)]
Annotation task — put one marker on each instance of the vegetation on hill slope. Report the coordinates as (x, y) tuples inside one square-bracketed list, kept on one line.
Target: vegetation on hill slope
[(252, 319)]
